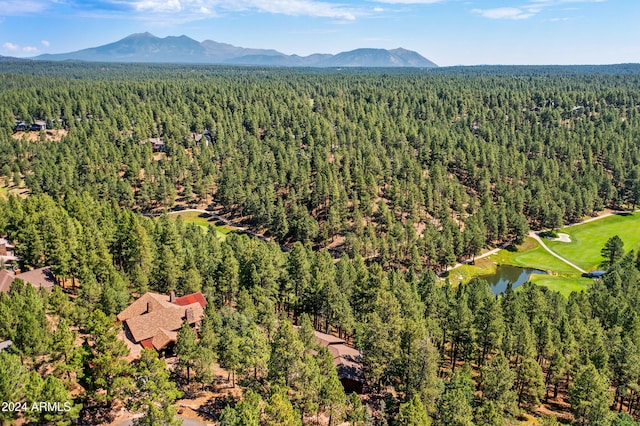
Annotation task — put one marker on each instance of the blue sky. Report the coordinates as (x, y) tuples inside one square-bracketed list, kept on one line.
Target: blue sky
[(448, 32)]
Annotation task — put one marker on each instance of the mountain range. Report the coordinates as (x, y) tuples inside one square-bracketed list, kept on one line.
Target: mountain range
[(145, 47)]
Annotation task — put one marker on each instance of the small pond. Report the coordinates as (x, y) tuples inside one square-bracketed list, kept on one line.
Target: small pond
[(509, 274)]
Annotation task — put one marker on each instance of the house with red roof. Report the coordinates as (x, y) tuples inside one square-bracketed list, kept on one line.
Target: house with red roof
[(154, 319)]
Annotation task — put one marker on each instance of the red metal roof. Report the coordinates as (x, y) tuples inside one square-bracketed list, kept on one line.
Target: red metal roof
[(191, 298), (146, 343)]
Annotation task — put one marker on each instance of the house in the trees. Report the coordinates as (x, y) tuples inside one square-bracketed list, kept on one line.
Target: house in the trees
[(154, 320), (6, 248), (7, 255), (157, 144), (346, 359), (5, 345), (39, 278), (38, 125), (198, 137), (20, 127)]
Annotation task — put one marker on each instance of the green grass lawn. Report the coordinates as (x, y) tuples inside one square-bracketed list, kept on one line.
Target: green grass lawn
[(204, 221), (588, 239), (562, 284), (532, 255)]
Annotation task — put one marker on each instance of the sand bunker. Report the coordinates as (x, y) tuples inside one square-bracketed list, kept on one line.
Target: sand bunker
[(563, 238)]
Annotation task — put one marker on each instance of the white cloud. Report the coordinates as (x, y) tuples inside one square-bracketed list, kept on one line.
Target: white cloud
[(526, 11), (378, 9), (158, 6), (297, 8), (45, 43), (196, 9), (10, 46), (514, 13), (22, 7)]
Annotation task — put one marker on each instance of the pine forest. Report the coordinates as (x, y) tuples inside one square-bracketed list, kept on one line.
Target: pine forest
[(307, 228)]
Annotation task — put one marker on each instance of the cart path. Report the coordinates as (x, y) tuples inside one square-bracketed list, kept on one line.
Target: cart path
[(481, 256), (536, 237)]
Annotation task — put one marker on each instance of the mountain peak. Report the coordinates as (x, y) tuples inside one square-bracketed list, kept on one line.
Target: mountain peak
[(146, 47), (145, 34)]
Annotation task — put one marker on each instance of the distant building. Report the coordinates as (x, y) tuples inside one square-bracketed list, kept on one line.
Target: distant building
[(198, 137), (38, 125), (20, 127), (154, 319), (157, 144), (38, 278), (5, 345)]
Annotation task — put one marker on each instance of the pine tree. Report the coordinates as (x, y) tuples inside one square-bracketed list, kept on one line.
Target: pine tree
[(229, 354), (255, 351), (12, 382), (413, 413), (307, 385), (381, 337), (530, 384), (497, 383), (590, 397), (455, 409), (286, 351), (154, 393), (280, 412), (612, 251), (249, 409), (187, 348), (105, 369), (306, 333), (332, 394), (55, 391)]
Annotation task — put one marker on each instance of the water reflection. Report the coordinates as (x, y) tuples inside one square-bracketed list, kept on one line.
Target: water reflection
[(506, 274)]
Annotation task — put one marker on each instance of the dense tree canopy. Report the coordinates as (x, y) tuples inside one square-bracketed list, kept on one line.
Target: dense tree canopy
[(364, 184)]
